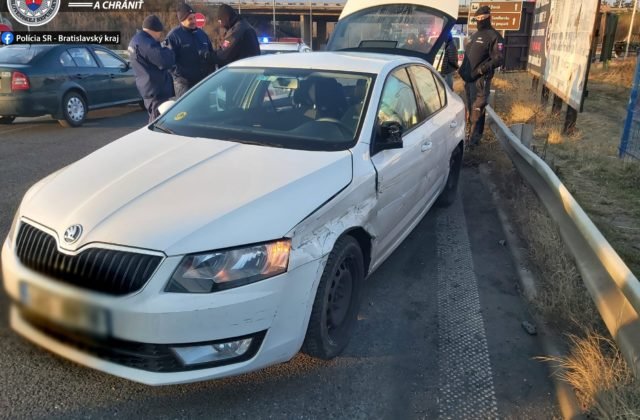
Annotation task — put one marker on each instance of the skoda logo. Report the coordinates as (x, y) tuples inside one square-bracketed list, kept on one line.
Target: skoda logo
[(72, 233)]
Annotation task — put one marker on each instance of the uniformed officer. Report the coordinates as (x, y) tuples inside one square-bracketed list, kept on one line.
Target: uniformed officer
[(240, 39), (195, 58), (483, 54), (151, 64)]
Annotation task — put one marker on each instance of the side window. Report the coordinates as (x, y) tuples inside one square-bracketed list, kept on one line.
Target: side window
[(428, 93), (398, 102), (82, 57), (108, 60), (442, 91), (66, 60)]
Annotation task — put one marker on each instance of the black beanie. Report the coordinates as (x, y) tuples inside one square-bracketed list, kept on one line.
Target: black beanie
[(226, 10), (183, 11), (484, 10), (153, 23)]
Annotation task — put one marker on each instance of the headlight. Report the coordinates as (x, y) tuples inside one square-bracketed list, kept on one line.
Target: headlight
[(220, 270)]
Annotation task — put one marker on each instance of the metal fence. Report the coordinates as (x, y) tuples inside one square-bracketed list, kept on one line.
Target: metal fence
[(630, 143)]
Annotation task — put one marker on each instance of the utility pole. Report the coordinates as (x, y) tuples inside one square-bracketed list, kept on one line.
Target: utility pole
[(310, 25), (274, 20), (633, 17)]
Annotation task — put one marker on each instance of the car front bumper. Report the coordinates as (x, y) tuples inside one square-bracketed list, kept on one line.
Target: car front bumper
[(275, 312)]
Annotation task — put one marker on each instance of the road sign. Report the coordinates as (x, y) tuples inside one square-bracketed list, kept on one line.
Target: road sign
[(201, 20), (505, 15)]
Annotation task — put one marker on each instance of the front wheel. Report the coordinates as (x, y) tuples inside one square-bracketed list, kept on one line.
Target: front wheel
[(337, 301), (74, 110)]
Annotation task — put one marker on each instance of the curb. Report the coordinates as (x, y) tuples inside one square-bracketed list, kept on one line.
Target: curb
[(551, 343)]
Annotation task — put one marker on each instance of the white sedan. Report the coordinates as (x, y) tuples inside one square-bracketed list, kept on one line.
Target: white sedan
[(239, 227)]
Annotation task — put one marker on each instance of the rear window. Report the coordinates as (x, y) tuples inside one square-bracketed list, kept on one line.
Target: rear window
[(392, 26), (21, 54)]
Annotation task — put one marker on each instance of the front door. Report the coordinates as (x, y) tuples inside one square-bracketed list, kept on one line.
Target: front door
[(123, 84), (403, 174)]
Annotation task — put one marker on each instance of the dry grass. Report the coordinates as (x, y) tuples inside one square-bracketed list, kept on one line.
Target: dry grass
[(605, 386), (607, 188), (619, 73)]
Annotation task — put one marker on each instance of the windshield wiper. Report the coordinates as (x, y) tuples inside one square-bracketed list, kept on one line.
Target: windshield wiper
[(163, 129)]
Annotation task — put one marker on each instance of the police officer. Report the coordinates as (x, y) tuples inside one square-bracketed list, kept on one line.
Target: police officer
[(240, 39), (151, 64), (195, 58), (483, 54)]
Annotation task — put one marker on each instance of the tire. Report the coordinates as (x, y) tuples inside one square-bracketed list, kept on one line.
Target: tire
[(337, 301), (74, 110), (7, 119), (450, 192)]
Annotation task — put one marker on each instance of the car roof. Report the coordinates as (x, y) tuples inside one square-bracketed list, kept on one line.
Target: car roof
[(357, 62)]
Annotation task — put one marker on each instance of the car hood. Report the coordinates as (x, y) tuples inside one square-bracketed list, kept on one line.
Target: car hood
[(180, 195)]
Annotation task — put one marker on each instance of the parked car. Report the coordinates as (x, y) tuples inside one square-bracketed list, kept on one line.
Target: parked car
[(283, 47), (240, 228), (66, 81)]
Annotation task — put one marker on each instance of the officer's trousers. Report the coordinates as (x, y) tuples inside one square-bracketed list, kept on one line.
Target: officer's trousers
[(477, 95)]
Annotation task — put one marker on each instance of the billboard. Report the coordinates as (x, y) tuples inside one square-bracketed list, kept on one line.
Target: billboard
[(560, 46)]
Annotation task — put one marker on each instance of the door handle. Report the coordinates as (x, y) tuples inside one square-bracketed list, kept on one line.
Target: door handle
[(426, 146), (453, 124), (112, 75), (78, 76)]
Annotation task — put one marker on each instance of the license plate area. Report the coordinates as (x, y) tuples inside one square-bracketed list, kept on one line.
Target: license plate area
[(71, 314)]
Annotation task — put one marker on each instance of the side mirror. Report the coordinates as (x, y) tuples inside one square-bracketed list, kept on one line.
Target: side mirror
[(126, 66), (164, 107), (389, 136)]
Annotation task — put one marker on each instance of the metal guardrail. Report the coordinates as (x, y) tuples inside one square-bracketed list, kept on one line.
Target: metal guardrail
[(613, 287)]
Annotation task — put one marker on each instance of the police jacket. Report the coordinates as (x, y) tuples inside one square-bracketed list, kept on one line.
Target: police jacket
[(193, 51), (483, 54), (151, 64), (240, 41)]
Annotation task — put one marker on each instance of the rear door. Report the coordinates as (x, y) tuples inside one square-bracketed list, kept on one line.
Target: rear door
[(95, 80), (439, 126), (123, 82)]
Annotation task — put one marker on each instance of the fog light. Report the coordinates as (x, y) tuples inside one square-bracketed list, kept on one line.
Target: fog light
[(212, 352)]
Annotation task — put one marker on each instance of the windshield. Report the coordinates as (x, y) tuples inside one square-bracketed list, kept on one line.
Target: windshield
[(290, 108), (396, 26), (21, 54)]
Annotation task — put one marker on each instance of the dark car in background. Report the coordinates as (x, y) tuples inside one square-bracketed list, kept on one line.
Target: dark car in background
[(65, 81)]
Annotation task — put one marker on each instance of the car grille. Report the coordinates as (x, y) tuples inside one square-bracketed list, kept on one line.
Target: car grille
[(143, 356), (101, 270)]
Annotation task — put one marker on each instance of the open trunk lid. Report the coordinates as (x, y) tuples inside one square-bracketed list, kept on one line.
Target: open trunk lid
[(387, 26)]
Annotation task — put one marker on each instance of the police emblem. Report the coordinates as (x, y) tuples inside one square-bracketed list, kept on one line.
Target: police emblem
[(33, 12)]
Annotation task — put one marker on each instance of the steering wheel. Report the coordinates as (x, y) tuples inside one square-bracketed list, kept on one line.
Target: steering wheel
[(341, 126)]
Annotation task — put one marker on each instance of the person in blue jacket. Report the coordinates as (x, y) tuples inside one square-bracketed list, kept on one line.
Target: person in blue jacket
[(151, 63), (195, 58)]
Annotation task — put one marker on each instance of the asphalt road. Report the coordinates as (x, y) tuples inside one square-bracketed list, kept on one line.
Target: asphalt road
[(439, 332)]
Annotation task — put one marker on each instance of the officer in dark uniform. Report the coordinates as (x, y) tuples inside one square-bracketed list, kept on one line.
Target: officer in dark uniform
[(151, 63), (240, 39), (195, 58), (483, 54)]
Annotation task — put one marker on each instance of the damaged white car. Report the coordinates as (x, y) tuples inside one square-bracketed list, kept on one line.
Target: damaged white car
[(240, 227)]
